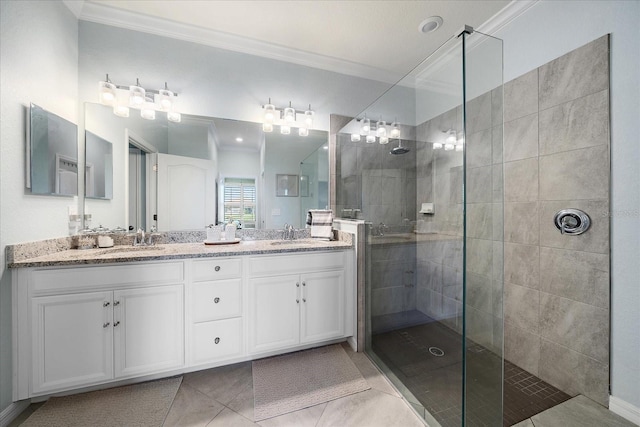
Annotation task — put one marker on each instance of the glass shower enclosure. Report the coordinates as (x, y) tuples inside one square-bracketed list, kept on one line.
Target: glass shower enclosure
[(422, 166)]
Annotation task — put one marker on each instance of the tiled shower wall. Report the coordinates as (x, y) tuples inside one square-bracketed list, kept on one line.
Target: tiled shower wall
[(556, 154)]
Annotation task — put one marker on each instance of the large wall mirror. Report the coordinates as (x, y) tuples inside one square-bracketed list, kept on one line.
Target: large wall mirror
[(53, 154), (203, 170)]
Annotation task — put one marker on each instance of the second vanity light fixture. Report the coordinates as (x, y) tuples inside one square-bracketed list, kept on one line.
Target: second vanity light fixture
[(148, 101), (287, 118), (379, 130), (450, 142)]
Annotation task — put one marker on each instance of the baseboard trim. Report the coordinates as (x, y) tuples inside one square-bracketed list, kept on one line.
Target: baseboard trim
[(624, 409), (12, 411)]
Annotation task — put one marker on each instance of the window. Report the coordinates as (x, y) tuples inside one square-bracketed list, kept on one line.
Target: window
[(240, 201)]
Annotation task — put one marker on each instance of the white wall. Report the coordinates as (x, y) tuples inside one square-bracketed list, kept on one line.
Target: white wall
[(546, 31), (38, 63)]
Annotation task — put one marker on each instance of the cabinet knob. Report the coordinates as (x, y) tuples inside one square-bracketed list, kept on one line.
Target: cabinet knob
[(105, 325), (216, 300), (297, 285), (106, 304), (116, 303), (217, 268), (116, 323), (304, 283), (217, 340), (298, 301), (304, 300)]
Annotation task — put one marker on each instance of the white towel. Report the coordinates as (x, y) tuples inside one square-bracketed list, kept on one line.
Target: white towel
[(320, 222)]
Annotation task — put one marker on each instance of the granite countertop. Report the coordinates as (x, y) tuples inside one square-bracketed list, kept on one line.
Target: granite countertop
[(406, 238), (177, 251)]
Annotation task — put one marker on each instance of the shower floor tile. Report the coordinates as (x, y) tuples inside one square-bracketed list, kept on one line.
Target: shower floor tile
[(436, 381)]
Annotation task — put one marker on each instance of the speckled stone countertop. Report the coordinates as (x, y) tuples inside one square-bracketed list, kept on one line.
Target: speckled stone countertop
[(407, 238), (178, 251)]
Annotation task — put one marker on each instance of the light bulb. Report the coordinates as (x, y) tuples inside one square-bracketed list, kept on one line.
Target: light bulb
[(136, 95), (303, 131), (285, 129), (165, 99), (451, 139), (174, 116), (381, 128), (121, 110), (289, 115), (366, 126), (371, 139), (383, 140), (355, 137), (148, 111), (308, 118), (107, 92), (267, 127), (459, 147), (437, 145), (269, 114), (395, 130), (448, 147)]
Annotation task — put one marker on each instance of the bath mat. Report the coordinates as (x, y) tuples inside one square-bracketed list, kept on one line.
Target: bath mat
[(299, 380), (145, 404)]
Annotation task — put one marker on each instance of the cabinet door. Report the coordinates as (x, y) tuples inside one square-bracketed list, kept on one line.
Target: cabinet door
[(274, 313), (322, 306), (148, 330), (71, 340)]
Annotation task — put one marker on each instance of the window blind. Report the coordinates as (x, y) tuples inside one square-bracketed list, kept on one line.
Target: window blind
[(240, 200)]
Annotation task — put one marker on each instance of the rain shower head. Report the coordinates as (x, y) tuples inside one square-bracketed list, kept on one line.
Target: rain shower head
[(399, 149)]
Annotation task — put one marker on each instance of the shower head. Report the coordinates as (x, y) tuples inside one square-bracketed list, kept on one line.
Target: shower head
[(399, 149)]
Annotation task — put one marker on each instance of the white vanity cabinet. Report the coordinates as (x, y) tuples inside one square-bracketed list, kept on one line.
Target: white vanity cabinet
[(215, 311), (90, 325), (292, 309)]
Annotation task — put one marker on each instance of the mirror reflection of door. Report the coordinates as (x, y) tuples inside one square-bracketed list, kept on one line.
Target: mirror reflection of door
[(137, 188)]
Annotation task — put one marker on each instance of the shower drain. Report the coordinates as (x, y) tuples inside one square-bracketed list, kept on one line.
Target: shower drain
[(436, 351)]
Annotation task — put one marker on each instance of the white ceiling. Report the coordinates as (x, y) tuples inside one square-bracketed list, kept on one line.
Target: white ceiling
[(373, 39)]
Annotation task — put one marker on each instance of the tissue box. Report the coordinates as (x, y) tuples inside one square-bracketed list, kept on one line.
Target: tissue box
[(105, 242)]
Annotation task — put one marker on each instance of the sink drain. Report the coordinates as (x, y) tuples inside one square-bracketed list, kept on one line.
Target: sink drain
[(436, 351)]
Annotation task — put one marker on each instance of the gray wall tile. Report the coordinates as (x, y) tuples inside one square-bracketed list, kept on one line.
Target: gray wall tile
[(581, 327), (479, 146), (479, 185), (479, 256), (575, 124), (479, 292), (574, 175), (498, 182), (480, 220), (596, 239), (497, 220), (581, 72), (497, 106), (521, 96), (521, 307), (521, 223), (580, 276), (497, 144), (573, 372), (521, 180), (521, 138), (522, 348), (521, 265), (479, 113)]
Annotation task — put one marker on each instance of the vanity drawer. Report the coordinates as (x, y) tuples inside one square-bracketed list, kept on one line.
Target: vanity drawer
[(298, 263), (215, 269), (86, 278), (219, 299), (221, 339)]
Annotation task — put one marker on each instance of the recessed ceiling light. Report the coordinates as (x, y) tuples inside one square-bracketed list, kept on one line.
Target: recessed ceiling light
[(430, 24), (326, 147), (238, 139)]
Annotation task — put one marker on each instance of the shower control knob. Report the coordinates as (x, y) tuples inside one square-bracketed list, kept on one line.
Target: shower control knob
[(106, 325), (216, 300), (217, 340), (217, 268)]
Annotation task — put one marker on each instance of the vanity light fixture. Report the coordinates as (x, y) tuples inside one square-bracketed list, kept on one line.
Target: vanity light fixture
[(378, 130), (148, 101), (450, 142), (287, 118)]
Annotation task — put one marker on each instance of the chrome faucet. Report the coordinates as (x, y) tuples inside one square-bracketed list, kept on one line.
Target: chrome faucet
[(141, 238), (289, 232)]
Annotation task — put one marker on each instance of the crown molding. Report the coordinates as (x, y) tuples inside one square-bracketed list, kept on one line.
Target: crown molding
[(504, 17), (101, 14), (75, 6)]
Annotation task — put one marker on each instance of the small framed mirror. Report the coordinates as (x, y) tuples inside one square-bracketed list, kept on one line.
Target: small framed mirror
[(286, 185)]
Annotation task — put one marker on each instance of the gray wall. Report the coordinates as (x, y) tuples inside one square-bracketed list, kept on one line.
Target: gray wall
[(546, 31), (556, 152), (38, 63)]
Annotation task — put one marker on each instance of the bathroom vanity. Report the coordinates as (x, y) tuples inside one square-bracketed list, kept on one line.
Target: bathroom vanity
[(90, 318)]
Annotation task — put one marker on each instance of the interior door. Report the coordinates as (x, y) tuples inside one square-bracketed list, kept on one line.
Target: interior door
[(186, 193)]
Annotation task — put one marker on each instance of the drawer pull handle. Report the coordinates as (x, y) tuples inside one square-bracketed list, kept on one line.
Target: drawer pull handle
[(106, 304), (116, 323), (217, 268), (104, 325), (217, 340), (216, 300), (116, 303)]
